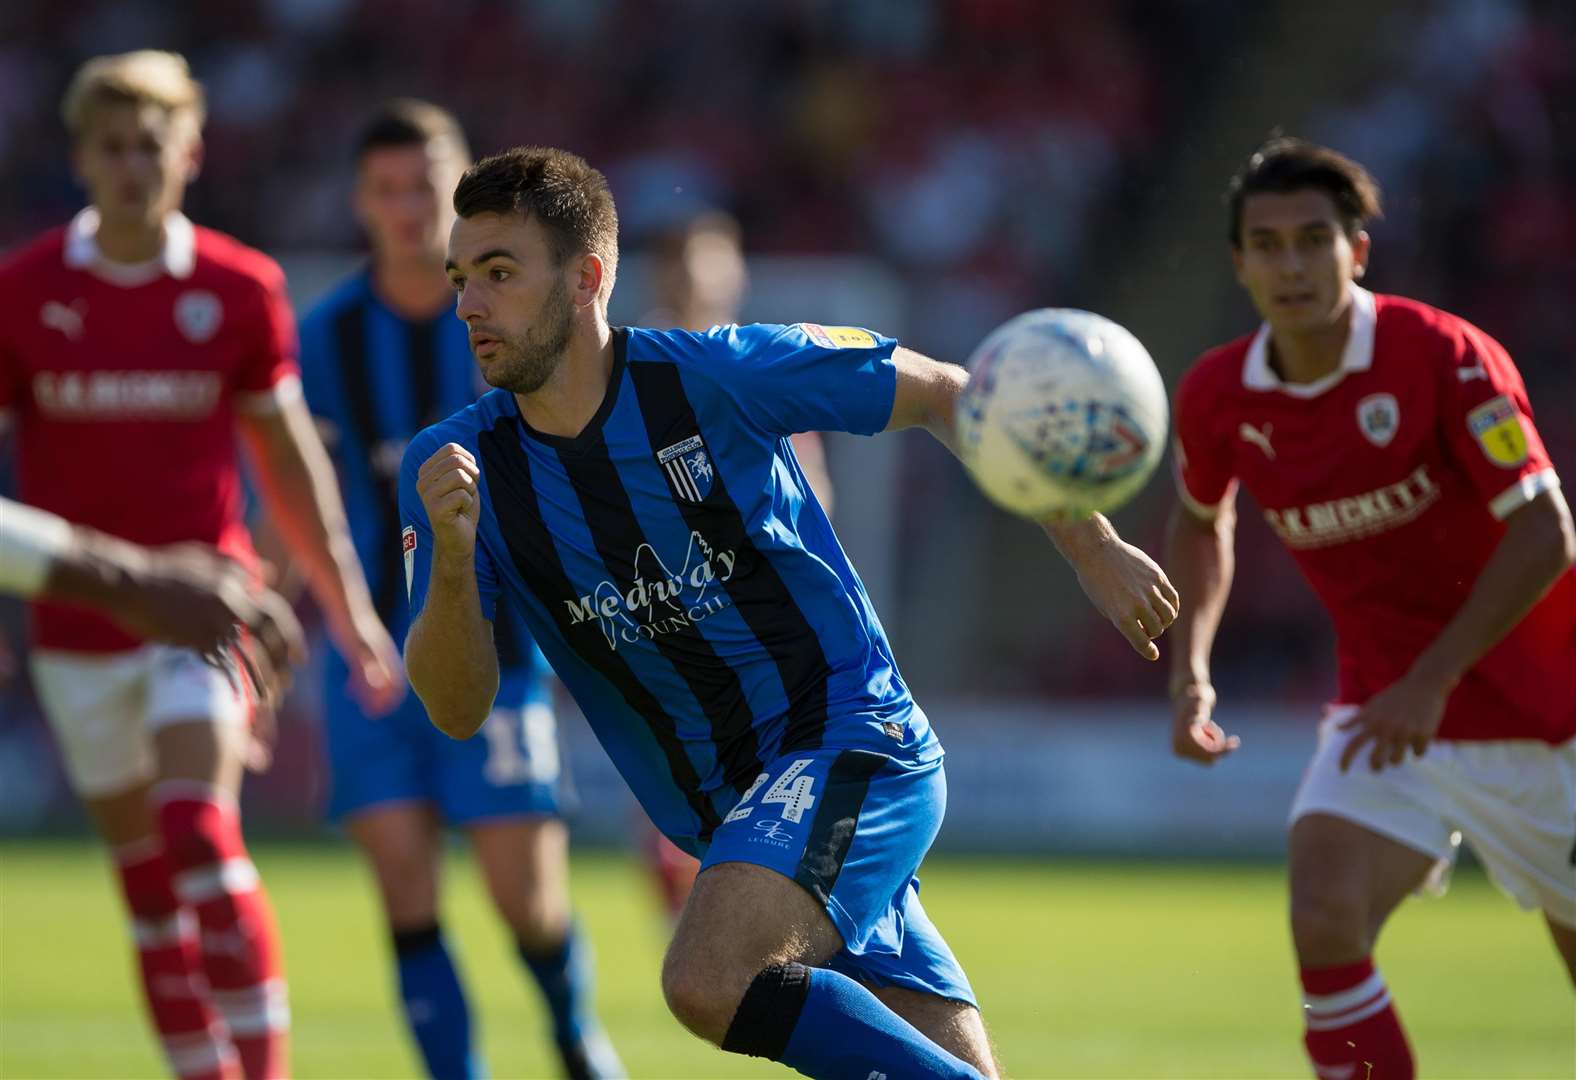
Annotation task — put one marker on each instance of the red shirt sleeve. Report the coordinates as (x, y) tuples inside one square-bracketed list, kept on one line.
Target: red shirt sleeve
[(1487, 422), (1203, 464), (273, 355)]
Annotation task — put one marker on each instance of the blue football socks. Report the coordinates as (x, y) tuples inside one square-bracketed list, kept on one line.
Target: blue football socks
[(435, 1007), (829, 1027)]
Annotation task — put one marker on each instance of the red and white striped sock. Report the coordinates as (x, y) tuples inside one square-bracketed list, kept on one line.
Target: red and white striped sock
[(214, 876), (1353, 1032), (195, 1041)]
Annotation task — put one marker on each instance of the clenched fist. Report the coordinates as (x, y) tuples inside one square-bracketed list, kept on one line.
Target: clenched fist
[(448, 486)]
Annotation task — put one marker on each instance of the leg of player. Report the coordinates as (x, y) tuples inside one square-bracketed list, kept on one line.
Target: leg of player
[(1565, 941), (955, 1026), (194, 1040), (199, 764), (1345, 882), (98, 708), (743, 971), (403, 842), (526, 865)]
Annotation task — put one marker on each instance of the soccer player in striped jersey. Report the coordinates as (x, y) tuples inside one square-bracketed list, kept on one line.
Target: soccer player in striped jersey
[(382, 357), (634, 492)]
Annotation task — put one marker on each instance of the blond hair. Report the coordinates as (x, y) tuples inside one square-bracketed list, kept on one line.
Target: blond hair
[(144, 77)]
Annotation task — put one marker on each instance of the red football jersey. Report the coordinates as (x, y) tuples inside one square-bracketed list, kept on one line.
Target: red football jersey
[(1388, 481), (123, 384)]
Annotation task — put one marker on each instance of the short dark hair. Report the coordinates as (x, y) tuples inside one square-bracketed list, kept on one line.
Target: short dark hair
[(410, 122), (561, 190), (1286, 164)]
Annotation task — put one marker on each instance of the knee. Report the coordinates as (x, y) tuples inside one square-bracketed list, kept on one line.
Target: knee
[(700, 996), (538, 924), (1329, 927)]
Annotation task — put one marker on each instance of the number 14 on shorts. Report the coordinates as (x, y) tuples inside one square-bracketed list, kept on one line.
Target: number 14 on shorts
[(791, 790)]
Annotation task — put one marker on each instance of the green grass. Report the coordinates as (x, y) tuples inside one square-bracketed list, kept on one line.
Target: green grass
[(1084, 970)]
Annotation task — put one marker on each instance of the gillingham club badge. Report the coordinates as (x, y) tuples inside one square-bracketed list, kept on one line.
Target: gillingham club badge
[(689, 469)]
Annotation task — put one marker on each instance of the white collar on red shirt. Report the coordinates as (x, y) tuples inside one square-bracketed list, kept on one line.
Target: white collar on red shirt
[(177, 258), (1358, 356)]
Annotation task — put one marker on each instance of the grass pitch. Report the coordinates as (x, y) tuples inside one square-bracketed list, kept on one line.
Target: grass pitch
[(1084, 970)]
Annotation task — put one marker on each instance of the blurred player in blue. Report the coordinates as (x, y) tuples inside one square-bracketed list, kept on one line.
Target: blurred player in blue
[(635, 493), (383, 356)]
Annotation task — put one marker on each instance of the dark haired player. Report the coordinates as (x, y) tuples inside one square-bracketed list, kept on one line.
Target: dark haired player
[(382, 357), (1392, 448), (634, 492)]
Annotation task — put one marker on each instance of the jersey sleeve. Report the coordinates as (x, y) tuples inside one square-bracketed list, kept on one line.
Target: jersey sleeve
[(808, 377), (1487, 422), (1202, 463), (270, 366), (416, 539)]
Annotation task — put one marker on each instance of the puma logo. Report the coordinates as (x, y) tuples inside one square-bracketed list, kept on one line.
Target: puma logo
[(66, 318), (1248, 433)]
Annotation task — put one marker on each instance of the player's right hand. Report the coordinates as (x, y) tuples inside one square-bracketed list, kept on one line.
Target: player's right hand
[(448, 485), (190, 595), (1194, 734)]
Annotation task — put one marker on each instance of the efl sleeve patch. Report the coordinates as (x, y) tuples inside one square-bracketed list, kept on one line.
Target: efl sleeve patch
[(1496, 425), (408, 543), (839, 337)]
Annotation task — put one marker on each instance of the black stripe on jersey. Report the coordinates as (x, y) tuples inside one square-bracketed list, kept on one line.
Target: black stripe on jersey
[(610, 516), (506, 637), (760, 594), (837, 819), (421, 349), (513, 499), (360, 388)]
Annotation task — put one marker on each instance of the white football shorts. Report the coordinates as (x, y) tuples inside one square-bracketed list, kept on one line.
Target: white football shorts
[(104, 708), (1513, 801)]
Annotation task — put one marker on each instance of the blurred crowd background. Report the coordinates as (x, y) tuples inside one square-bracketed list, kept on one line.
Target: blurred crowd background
[(961, 159)]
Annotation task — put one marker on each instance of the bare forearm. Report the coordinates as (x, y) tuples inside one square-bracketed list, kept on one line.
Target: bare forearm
[(96, 570), (303, 500), (449, 654), (927, 396), (1538, 546), (1202, 559)]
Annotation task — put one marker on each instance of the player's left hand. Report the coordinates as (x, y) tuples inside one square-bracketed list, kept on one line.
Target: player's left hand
[(1403, 716), (1129, 588)]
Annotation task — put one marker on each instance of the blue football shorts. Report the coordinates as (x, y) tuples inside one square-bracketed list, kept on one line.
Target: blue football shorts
[(509, 769), (851, 827)]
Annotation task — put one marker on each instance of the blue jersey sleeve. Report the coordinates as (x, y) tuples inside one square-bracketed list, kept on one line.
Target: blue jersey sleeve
[(416, 538), (808, 377)]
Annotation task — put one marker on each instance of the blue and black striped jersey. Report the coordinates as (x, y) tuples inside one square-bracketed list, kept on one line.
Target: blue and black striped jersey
[(675, 567), (377, 378)]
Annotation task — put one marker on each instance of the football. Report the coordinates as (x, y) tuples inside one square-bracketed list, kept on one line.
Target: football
[(1064, 414)]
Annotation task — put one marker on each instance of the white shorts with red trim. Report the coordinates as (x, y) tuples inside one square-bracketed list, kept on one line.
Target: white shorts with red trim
[(1513, 801), (104, 708)]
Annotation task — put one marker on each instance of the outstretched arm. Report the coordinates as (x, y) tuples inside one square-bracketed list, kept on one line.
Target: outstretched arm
[(1124, 584)]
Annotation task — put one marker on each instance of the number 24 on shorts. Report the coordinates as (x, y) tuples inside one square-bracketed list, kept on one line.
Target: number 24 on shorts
[(791, 790)]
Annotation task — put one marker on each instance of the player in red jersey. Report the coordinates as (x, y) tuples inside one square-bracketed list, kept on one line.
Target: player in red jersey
[(1392, 448), (134, 348)]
